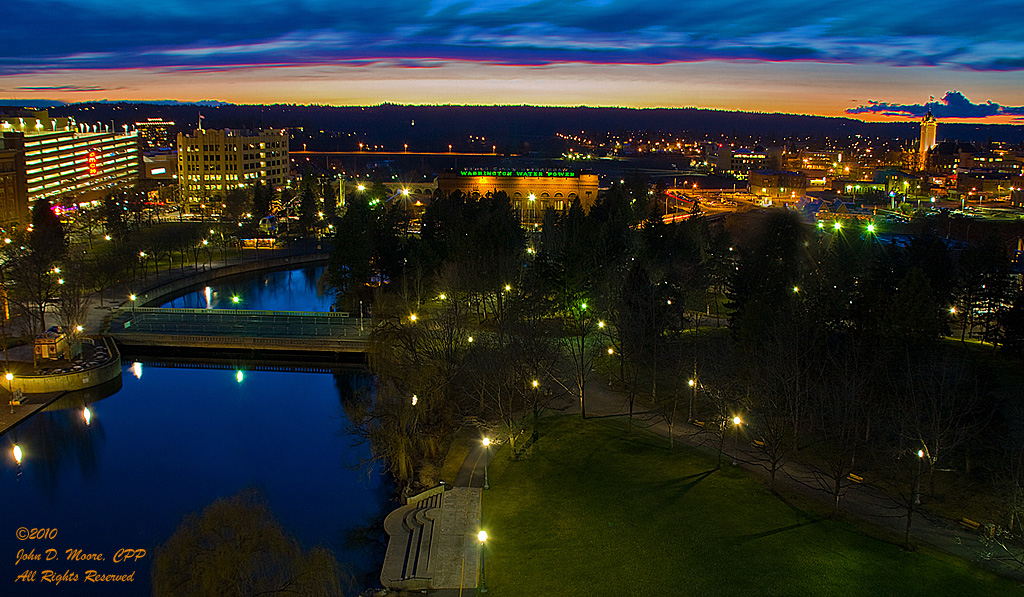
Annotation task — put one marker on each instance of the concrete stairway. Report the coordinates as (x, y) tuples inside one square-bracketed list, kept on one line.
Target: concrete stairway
[(411, 531)]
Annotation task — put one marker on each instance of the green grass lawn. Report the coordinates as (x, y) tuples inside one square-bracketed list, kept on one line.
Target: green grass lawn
[(592, 511)]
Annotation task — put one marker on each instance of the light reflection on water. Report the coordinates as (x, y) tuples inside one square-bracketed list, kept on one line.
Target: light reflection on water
[(288, 290), (172, 441)]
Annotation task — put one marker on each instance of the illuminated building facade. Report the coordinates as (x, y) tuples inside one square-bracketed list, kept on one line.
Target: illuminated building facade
[(13, 186), (740, 162), (929, 130), (210, 162), (155, 133), (777, 185), (68, 162), (532, 192)]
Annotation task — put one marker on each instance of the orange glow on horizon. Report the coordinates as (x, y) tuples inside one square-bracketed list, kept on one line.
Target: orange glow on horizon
[(785, 87)]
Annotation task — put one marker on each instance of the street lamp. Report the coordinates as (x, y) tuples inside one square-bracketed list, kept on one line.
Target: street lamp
[(487, 452), (693, 397), (917, 479), (736, 421), (482, 538), (10, 377)]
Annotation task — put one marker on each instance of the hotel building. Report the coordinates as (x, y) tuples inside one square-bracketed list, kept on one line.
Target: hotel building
[(210, 162), (68, 162)]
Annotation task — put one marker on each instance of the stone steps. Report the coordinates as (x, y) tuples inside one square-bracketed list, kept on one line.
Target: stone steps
[(411, 531)]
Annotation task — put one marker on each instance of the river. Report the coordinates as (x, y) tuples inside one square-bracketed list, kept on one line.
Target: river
[(172, 440)]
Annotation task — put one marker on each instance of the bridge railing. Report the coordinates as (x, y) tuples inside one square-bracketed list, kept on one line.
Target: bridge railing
[(237, 312)]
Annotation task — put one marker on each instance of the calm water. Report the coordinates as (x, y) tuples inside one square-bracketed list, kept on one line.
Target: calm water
[(291, 290), (170, 442)]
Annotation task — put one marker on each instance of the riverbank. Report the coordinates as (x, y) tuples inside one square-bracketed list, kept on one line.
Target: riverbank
[(44, 384)]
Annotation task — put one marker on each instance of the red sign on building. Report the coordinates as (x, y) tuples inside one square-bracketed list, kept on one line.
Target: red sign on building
[(93, 163)]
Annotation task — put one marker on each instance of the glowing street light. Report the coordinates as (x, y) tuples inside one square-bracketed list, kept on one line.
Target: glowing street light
[(871, 228), (837, 225), (414, 399), (736, 421), (10, 377), (482, 538), (487, 453), (412, 317)]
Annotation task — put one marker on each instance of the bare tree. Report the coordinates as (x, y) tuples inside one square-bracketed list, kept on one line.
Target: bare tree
[(841, 417), (579, 327), (235, 547)]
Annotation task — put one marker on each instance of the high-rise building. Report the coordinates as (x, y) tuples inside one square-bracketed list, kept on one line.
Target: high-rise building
[(929, 129), (13, 187), (155, 133), (211, 162), (68, 162)]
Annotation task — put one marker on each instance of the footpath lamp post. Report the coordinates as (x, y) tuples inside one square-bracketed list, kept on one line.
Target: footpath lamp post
[(10, 377), (692, 382), (487, 451), (917, 479), (482, 538), (736, 421)]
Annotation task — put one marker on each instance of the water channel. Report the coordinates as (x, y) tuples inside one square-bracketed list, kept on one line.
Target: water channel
[(170, 441)]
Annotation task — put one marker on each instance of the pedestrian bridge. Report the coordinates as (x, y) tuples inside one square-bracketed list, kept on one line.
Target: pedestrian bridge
[(293, 331)]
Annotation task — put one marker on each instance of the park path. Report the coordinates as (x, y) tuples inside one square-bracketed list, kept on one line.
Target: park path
[(861, 500)]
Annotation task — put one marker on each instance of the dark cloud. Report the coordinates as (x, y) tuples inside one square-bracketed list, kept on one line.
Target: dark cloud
[(952, 105), (69, 88), (198, 34)]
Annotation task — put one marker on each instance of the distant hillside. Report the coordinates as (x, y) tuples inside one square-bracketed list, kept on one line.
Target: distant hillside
[(513, 128)]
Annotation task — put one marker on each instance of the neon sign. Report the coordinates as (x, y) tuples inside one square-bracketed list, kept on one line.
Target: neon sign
[(518, 173), (94, 161)]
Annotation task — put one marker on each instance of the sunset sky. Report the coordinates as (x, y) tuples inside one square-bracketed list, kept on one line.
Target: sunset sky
[(873, 60)]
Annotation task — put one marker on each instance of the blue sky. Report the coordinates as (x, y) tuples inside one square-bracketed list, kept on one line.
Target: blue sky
[(824, 57)]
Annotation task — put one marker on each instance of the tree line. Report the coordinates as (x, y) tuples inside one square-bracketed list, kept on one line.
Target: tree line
[(838, 349)]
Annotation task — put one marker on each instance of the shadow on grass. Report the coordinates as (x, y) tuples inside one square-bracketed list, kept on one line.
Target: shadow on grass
[(740, 540), (677, 488)]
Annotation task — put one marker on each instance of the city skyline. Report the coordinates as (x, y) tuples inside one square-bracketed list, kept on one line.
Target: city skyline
[(867, 61)]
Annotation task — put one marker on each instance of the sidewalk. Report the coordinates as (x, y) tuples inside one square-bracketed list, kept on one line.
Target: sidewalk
[(861, 500)]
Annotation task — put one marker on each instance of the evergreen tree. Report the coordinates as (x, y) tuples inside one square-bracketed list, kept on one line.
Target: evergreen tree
[(47, 239)]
